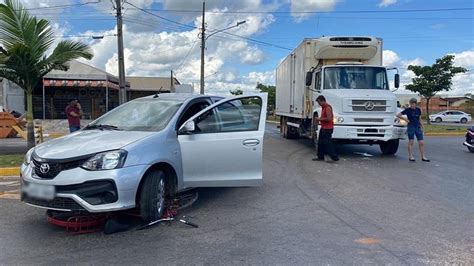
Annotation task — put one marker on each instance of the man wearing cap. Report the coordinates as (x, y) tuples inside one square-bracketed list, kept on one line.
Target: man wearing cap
[(414, 128), (74, 113)]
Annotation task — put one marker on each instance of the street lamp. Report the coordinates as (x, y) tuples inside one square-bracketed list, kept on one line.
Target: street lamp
[(228, 28), (203, 44)]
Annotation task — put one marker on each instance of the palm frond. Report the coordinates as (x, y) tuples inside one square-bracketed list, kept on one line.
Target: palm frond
[(64, 52), (18, 27)]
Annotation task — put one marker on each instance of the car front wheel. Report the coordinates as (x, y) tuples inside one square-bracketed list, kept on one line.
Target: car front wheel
[(153, 195), (438, 120), (463, 120)]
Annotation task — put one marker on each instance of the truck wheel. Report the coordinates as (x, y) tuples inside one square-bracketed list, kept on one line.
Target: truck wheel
[(389, 147), (286, 131), (292, 133), (463, 120), (438, 120), (152, 195)]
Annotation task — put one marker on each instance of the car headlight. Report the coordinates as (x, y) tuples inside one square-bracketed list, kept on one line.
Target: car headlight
[(27, 158), (106, 161)]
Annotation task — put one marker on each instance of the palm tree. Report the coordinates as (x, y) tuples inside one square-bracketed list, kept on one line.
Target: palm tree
[(25, 43)]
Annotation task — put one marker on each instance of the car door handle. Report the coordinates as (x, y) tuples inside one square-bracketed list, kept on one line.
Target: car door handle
[(251, 142)]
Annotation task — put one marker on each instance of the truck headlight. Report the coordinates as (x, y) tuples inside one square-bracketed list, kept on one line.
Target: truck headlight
[(338, 120), (400, 122), (27, 158), (106, 161)]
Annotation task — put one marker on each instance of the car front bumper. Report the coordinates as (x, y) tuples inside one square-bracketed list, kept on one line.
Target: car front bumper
[(81, 190), (368, 133)]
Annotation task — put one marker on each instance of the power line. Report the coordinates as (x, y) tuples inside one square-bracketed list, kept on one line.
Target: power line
[(186, 56), (62, 6), (158, 16), (194, 27), (319, 12)]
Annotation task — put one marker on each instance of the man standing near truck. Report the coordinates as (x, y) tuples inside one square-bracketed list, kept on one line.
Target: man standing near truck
[(325, 145)]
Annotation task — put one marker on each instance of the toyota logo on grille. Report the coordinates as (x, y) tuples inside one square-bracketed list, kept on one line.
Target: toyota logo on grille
[(369, 106), (44, 168)]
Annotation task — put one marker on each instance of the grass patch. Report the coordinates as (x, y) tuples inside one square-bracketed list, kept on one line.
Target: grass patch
[(11, 160), (443, 129)]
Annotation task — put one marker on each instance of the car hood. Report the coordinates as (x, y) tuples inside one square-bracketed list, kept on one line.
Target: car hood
[(361, 94), (86, 142)]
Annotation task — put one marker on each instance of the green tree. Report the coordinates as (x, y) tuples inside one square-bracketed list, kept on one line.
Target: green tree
[(24, 45), (236, 92), (271, 90), (430, 80)]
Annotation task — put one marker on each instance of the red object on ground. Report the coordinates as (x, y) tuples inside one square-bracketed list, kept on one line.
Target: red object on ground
[(79, 224)]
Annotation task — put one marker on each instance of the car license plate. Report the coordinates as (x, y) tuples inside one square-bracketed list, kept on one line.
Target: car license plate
[(39, 191)]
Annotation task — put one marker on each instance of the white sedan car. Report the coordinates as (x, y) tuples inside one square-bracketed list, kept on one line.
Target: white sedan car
[(451, 116)]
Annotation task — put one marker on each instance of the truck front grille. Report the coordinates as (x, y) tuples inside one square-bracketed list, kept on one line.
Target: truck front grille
[(368, 120), (369, 105)]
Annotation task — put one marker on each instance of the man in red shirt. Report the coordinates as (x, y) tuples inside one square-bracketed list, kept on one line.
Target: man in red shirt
[(73, 113), (325, 145)]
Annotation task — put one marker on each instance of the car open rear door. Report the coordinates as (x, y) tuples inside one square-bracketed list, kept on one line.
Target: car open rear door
[(223, 144)]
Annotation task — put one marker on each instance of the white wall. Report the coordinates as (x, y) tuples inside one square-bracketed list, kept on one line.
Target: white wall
[(12, 96)]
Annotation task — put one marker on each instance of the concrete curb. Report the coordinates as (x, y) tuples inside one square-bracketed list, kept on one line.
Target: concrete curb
[(10, 171), (453, 134)]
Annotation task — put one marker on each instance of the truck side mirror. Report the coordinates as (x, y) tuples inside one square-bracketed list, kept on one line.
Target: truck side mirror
[(309, 78), (397, 80)]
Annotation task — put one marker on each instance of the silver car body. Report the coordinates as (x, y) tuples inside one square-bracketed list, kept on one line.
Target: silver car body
[(217, 159), (451, 116)]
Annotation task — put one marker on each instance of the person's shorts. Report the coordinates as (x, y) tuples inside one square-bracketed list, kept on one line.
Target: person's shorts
[(415, 131), (74, 128)]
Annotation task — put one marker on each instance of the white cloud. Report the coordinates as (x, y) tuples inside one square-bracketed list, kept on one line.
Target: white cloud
[(390, 58), (310, 6), (385, 3), (464, 59), (155, 54)]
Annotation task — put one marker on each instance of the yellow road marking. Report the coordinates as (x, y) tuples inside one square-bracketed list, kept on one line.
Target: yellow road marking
[(11, 194), (368, 240)]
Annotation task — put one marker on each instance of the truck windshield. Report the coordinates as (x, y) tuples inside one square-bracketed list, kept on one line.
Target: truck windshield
[(148, 114), (352, 77)]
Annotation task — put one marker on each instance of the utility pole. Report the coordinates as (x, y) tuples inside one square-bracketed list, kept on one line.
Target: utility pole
[(121, 64), (203, 45)]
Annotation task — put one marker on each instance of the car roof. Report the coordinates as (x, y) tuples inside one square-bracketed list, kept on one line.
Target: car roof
[(180, 97)]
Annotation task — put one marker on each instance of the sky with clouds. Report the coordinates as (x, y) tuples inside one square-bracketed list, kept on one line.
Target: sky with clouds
[(167, 39)]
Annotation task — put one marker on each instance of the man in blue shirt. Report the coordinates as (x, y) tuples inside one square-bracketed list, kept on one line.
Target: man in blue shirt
[(414, 128)]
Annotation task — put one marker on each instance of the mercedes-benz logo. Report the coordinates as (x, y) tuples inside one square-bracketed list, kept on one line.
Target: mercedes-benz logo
[(44, 168), (369, 105)]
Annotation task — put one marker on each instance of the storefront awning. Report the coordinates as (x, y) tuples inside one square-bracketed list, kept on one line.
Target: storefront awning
[(79, 83)]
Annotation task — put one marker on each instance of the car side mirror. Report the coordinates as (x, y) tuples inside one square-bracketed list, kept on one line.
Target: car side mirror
[(397, 80), (309, 78), (188, 127)]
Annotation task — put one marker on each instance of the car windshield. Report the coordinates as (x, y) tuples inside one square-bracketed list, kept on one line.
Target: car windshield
[(149, 114), (349, 77)]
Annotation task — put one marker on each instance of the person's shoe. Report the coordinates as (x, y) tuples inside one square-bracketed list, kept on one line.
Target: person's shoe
[(335, 159), (425, 160), (318, 159), (412, 160)]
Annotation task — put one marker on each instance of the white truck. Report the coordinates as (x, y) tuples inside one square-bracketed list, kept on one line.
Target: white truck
[(348, 72)]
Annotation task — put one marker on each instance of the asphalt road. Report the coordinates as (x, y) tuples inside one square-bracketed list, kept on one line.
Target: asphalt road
[(367, 208)]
